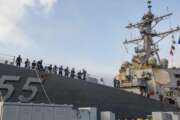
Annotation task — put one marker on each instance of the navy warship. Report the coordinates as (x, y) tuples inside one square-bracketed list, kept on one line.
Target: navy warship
[(148, 74), (18, 84)]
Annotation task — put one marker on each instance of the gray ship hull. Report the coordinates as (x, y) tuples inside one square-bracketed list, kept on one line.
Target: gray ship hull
[(79, 93)]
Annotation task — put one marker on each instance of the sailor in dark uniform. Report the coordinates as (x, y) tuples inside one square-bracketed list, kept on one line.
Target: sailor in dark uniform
[(61, 70), (66, 72), (115, 83), (50, 68), (84, 73), (27, 64), (79, 75), (39, 65), (18, 61), (34, 64), (72, 73), (118, 84), (55, 69)]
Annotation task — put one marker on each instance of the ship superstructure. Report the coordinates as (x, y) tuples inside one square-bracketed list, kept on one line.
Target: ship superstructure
[(147, 74)]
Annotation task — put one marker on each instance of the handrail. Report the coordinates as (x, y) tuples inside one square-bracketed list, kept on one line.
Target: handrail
[(10, 59), (7, 59)]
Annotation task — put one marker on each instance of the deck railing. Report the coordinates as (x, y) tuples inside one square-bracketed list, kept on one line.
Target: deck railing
[(11, 60), (7, 59)]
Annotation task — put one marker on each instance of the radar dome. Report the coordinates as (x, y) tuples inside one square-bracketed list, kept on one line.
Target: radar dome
[(152, 61), (164, 63)]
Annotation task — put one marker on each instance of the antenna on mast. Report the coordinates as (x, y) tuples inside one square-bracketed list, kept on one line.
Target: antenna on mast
[(149, 4), (146, 27)]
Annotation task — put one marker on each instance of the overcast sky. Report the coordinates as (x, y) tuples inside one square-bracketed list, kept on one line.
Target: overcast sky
[(79, 33)]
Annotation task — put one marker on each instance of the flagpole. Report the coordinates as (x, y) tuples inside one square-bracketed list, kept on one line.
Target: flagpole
[(172, 61), (172, 51)]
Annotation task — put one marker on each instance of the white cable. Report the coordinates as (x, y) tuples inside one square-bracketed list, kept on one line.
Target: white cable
[(42, 86), (2, 107)]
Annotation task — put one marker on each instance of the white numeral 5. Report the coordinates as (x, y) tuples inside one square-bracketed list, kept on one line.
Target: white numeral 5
[(9, 88), (28, 87)]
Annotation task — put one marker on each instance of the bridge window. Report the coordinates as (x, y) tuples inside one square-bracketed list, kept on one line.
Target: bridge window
[(178, 83), (177, 75)]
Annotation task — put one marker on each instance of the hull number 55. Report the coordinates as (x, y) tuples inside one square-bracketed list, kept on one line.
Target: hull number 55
[(7, 89)]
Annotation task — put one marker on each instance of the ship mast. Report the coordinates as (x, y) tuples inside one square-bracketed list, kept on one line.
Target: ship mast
[(145, 26)]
